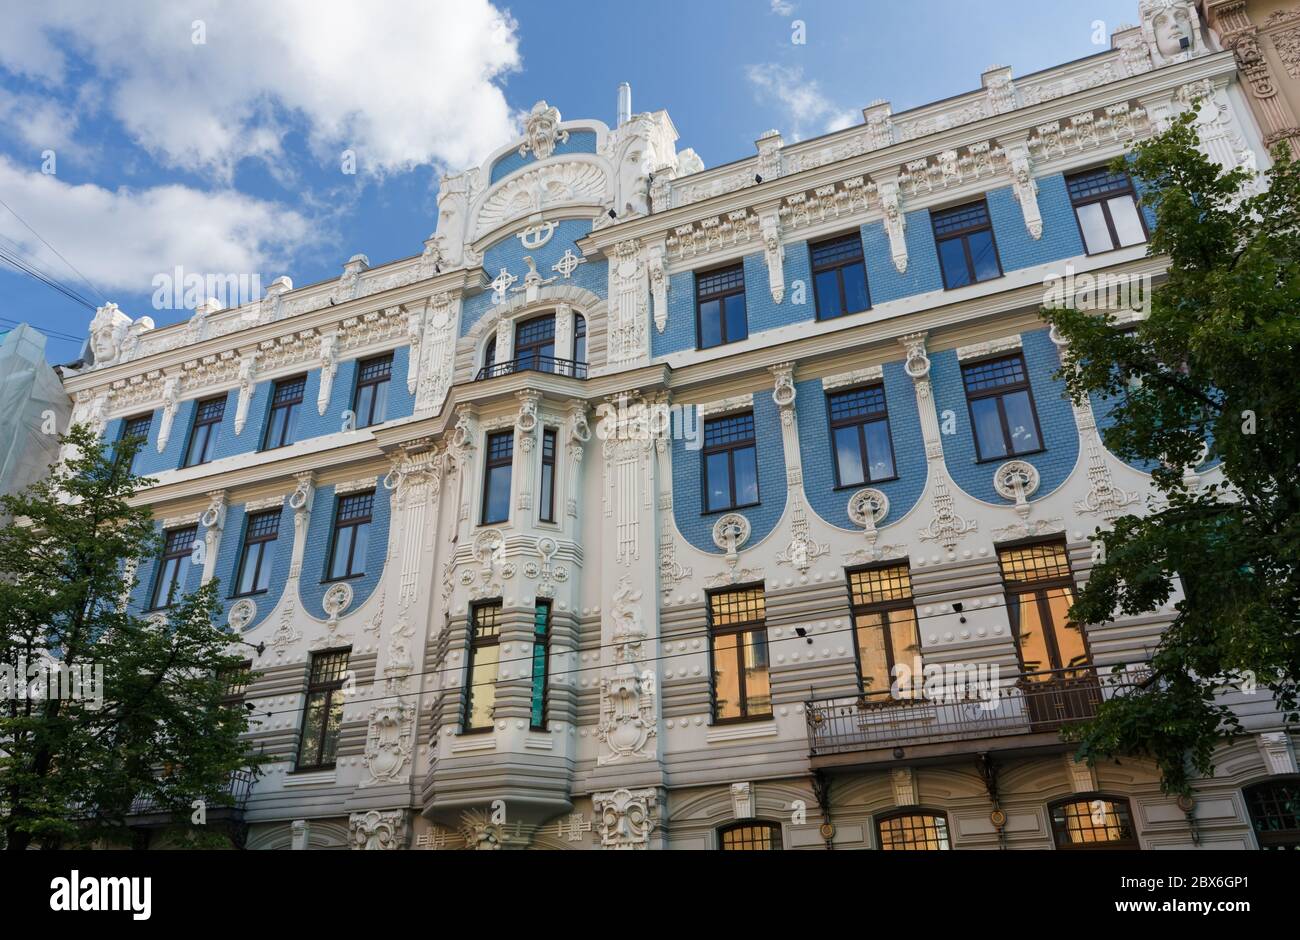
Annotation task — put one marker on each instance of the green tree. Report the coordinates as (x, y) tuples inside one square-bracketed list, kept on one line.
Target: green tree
[(70, 768), (1208, 376)]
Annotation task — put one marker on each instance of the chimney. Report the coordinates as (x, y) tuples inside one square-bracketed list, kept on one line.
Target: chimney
[(624, 104)]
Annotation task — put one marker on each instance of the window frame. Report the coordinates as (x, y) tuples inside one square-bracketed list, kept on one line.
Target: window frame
[(535, 362), (234, 694), (473, 644), (496, 463), (372, 383), (336, 526), (580, 334), (720, 296), (1272, 839), (1104, 198), (838, 267), (860, 421), (887, 625), (545, 645), (964, 234), (163, 559), (773, 829), (1041, 589), (546, 498), (729, 449), (906, 812), (292, 406), (738, 630), (249, 540), (998, 391), (1087, 799), (209, 440), (327, 688), (125, 434)]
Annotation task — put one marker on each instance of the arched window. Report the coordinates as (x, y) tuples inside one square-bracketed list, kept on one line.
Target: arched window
[(535, 344), (1275, 813), (750, 836), (912, 830), (489, 356), (1093, 822), (580, 344)]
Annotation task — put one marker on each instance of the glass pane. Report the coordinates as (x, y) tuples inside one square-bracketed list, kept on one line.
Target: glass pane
[(1020, 422), (758, 687), (539, 685), (197, 445), (746, 464), (1069, 638), (848, 456), (483, 686), (737, 326), (827, 286), (880, 451), (710, 323), (855, 287), (902, 634), (871, 654), (953, 258), (342, 549), (1092, 220), (313, 719), (547, 495), (988, 428), (365, 395), (264, 562), (580, 349), (291, 424), (332, 725), (717, 485), (984, 255), (361, 542), (1128, 225), (498, 495), (1023, 609), (726, 677), (250, 569)]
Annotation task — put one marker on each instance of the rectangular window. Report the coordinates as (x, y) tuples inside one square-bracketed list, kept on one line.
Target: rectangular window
[(884, 628), (351, 536), (371, 400), (286, 403), (860, 438), (839, 277), (967, 251), (173, 566), (720, 307), (1105, 205), (1040, 591), (730, 463), (483, 662), (136, 428), (1002, 411), (741, 686), (235, 682), (260, 534), (323, 715), (541, 658), (203, 436), (547, 496), (498, 460)]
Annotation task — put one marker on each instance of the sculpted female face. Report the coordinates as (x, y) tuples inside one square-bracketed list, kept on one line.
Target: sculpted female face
[(1172, 27)]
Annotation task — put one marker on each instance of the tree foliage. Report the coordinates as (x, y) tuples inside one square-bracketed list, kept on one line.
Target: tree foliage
[(1208, 377), (70, 768)]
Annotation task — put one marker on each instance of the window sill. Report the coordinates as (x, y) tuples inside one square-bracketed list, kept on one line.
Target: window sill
[(235, 597), (348, 577), (742, 729), (1005, 458), (310, 777), (718, 512), (857, 486)]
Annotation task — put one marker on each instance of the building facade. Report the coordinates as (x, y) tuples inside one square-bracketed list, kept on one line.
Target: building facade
[(1264, 36), (607, 520)]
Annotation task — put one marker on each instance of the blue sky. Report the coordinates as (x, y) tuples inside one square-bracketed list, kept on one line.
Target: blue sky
[(211, 136)]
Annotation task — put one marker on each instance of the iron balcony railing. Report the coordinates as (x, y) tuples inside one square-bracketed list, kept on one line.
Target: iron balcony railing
[(549, 364), (1017, 704), (239, 788)]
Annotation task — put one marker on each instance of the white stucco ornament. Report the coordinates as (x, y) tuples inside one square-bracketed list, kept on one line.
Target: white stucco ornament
[(542, 131), (241, 614)]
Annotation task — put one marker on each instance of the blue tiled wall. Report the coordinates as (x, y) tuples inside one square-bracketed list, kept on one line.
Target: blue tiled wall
[(688, 483), (148, 570), (312, 587), (679, 333), (1016, 247), (509, 253), (922, 275), (1055, 419), (578, 142), (818, 458), (232, 542)]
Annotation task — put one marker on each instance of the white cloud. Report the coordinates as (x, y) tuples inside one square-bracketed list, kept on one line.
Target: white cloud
[(41, 123), (121, 238), (782, 7), (401, 83), (801, 99)]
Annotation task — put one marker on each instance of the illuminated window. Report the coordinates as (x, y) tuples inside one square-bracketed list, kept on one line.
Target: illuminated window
[(1093, 823), (1275, 813), (1040, 592), (483, 662), (741, 685), (323, 717), (912, 831), (750, 837), (884, 622)]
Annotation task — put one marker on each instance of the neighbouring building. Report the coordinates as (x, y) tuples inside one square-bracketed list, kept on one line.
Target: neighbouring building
[(604, 521), (1264, 36), (34, 409)]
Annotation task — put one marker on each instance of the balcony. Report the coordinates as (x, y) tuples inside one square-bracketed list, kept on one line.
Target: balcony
[(548, 364), (145, 811), (1022, 712)]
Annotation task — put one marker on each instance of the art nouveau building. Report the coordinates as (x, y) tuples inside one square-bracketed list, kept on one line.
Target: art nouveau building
[(502, 601)]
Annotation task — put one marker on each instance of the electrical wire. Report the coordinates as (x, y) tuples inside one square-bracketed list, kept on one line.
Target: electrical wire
[(85, 280)]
